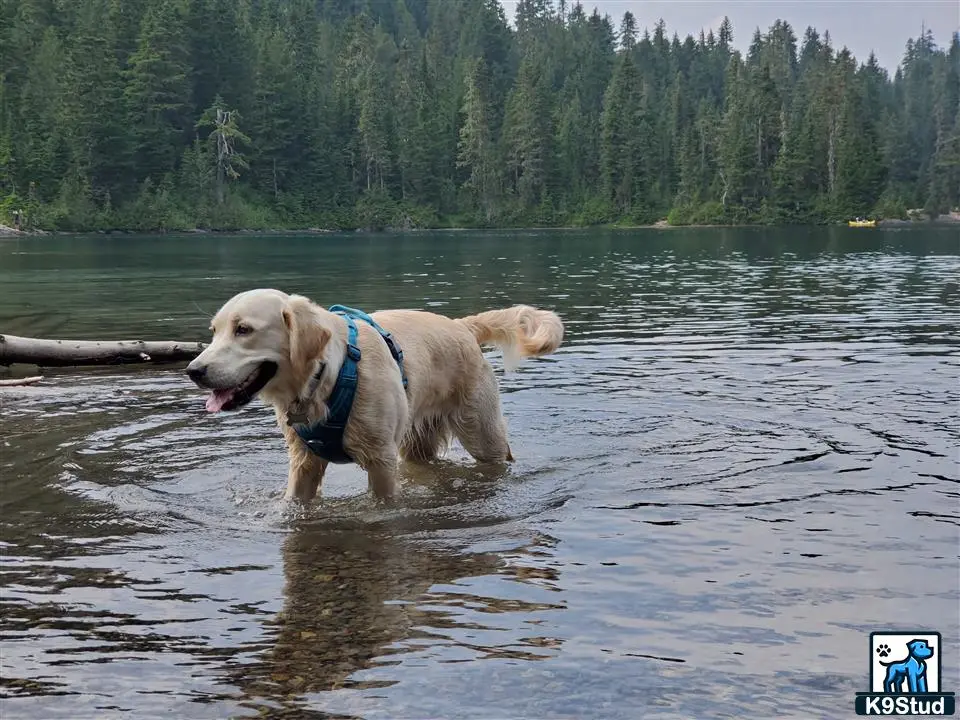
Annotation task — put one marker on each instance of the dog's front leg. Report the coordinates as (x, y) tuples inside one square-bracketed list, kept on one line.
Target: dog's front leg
[(915, 679), (303, 480), (305, 472), (382, 478)]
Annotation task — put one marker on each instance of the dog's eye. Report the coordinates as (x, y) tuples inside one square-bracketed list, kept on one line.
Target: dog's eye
[(243, 330)]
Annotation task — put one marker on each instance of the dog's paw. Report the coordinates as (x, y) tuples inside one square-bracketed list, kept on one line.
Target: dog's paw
[(883, 650)]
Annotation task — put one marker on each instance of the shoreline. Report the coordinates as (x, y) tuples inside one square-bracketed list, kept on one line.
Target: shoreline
[(10, 232)]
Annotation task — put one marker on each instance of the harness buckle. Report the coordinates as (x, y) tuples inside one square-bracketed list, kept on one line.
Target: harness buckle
[(296, 417), (353, 352)]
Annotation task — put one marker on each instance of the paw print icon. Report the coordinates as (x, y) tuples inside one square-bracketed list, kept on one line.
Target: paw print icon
[(883, 650)]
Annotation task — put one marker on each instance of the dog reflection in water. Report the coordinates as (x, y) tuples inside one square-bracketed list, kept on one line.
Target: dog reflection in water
[(352, 592)]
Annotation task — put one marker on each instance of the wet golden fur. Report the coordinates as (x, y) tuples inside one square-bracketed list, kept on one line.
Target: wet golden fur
[(452, 390)]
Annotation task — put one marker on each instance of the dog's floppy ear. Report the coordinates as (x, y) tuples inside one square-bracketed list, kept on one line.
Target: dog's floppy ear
[(308, 335)]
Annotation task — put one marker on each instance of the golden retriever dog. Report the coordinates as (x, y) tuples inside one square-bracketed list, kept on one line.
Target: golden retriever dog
[(288, 351)]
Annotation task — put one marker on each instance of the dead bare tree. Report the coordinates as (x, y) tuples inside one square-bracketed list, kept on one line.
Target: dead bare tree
[(224, 136)]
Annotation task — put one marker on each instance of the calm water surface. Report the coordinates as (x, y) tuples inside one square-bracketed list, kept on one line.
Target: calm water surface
[(742, 462)]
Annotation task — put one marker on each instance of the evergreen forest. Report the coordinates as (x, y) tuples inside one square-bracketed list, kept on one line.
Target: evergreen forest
[(249, 114)]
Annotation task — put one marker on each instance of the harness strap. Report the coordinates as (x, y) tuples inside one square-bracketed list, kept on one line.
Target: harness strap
[(326, 439), (395, 348)]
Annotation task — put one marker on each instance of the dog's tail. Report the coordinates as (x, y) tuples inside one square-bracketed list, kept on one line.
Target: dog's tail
[(520, 331)]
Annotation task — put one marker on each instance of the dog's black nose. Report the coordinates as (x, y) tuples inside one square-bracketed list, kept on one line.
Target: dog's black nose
[(197, 374)]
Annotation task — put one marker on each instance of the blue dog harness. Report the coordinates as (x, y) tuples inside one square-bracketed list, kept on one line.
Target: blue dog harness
[(325, 439)]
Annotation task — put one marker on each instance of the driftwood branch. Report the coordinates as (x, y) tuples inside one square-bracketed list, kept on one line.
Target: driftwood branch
[(64, 353), (16, 382)]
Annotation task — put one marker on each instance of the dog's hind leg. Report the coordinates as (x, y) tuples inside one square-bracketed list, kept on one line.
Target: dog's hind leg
[(894, 678), (479, 424), (425, 440)]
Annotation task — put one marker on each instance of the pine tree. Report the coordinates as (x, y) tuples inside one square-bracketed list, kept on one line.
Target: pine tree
[(101, 136), (573, 148), (621, 112), (417, 129), (737, 152), (220, 62), (943, 191), (628, 32), (527, 132), (532, 17), (860, 169), (7, 180), (158, 89), (375, 122), (274, 118), (24, 22), (42, 149), (475, 149)]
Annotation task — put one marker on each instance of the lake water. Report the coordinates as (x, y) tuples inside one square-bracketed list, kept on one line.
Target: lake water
[(742, 461)]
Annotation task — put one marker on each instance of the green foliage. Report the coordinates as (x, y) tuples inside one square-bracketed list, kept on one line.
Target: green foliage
[(708, 213), (593, 211), (155, 208), (376, 211), (9, 204), (680, 215), (889, 207), (226, 114)]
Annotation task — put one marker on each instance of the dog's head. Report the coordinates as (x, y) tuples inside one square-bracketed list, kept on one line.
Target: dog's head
[(263, 340), (920, 649)]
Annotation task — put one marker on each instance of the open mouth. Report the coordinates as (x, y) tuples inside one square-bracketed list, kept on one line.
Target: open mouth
[(236, 397)]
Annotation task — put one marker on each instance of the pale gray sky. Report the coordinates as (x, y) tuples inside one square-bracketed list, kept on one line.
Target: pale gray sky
[(862, 25)]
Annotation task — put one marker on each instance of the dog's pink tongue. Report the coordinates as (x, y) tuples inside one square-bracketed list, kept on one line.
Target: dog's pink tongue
[(217, 399)]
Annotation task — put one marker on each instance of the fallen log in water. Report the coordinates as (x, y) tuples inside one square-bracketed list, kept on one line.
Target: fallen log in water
[(16, 382), (65, 353)]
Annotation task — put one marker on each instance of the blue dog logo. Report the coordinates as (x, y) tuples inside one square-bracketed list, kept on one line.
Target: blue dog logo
[(912, 669), (905, 675)]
